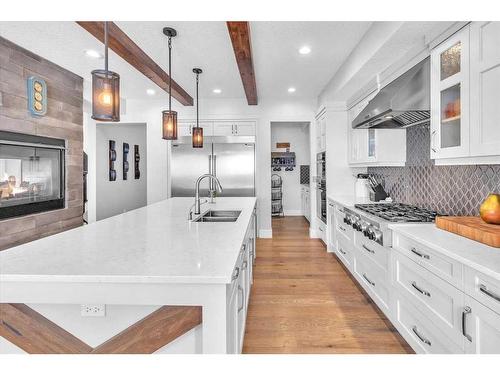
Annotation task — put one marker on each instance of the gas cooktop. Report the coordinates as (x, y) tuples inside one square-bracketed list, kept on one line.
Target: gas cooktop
[(398, 212)]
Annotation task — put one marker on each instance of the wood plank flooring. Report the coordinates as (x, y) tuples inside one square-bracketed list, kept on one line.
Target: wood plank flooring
[(304, 301)]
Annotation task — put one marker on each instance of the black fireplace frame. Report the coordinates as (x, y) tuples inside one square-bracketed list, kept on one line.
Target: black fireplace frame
[(27, 140)]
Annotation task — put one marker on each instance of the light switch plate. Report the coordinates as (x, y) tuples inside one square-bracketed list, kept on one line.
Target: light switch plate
[(93, 310)]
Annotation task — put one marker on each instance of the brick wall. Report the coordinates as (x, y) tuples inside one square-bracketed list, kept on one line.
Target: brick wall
[(64, 119)]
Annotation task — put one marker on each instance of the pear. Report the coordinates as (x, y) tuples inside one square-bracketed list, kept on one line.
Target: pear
[(490, 209)]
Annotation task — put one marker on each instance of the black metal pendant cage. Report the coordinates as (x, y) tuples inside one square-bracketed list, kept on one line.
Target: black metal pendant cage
[(197, 137), (105, 95)]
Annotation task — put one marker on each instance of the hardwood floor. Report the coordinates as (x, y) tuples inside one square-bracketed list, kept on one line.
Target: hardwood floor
[(304, 301)]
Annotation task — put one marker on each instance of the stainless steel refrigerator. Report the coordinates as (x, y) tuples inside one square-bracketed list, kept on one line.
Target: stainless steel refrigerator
[(231, 159)]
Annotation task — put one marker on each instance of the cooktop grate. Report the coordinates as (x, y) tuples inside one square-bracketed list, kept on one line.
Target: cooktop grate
[(398, 212)]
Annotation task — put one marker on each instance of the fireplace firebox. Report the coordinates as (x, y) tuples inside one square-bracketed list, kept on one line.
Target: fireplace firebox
[(31, 174)]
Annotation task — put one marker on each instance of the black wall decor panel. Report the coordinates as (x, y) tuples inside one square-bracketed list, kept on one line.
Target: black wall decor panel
[(450, 190)]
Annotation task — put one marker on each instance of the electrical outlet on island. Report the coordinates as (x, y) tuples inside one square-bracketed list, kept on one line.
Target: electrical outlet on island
[(93, 310)]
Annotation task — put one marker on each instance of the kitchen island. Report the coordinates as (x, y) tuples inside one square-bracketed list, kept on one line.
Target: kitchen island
[(152, 256)]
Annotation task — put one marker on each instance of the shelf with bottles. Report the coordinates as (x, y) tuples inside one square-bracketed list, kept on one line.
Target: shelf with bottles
[(283, 160)]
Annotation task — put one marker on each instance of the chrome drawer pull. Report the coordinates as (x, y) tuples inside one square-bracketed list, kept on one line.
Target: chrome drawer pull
[(414, 251), (244, 265), (466, 310), (485, 290), (368, 249), (331, 205), (367, 279), (242, 298), (420, 337), (341, 228), (342, 251), (424, 292), (236, 273)]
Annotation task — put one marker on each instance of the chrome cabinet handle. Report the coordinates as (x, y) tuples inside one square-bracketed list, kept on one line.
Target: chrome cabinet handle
[(342, 251), (341, 228), (236, 273), (420, 337), (235, 129), (424, 292), (367, 279), (485, 290), (331, 205), (244, 265), (432, 142), (421, 255), (240, 289), (465, 311), (368, 249), (243, 248)]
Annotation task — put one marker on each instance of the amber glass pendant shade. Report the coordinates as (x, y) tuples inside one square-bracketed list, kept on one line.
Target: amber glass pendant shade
[(105, 95), (169, 125), (197, 137)]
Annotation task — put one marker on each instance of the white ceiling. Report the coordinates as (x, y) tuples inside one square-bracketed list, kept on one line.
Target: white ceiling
[(277, 63), (207, 45)]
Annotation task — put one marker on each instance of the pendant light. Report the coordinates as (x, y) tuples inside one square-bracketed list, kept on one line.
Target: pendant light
[(169, 118), (105, 89), (197, 130)]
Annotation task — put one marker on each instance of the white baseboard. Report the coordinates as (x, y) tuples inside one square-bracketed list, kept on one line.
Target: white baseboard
[(265, 233), (293, 213), (313, 233)]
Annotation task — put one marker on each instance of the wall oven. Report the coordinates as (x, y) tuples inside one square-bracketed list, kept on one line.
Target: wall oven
[(31, 174), (321, 186)]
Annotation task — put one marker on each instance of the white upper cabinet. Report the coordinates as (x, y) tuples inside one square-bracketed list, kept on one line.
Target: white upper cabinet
[(321, 132), (465, 76), (186, 128), (374, 147), (230, 128), (484, 85), (450, 97)]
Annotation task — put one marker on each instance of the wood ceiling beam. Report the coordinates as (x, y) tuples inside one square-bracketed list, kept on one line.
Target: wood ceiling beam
[(128, 50), (239, 32)]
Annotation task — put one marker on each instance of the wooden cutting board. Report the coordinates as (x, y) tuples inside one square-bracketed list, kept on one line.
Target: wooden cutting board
[(472, 227)]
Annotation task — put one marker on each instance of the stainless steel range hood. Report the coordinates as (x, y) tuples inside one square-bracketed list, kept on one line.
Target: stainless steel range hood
[(403, 102)]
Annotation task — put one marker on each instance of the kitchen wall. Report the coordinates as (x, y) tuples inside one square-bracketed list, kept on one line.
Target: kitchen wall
[(449, 190), (297, 134), (63, 120), (116, 197)]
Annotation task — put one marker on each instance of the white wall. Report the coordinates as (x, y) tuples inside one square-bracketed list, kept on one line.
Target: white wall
[(116, 197), (149, 112), (297, 134)]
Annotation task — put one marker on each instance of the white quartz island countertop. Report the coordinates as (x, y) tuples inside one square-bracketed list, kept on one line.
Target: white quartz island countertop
[(152, 244)]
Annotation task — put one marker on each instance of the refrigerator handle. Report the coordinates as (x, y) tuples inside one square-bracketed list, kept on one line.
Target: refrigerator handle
[(210, 171)]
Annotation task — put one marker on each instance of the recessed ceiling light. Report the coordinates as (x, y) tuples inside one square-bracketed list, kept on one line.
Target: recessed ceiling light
[(291, 89), (150, 92), (304, 50), (93, 53), (217, 91)]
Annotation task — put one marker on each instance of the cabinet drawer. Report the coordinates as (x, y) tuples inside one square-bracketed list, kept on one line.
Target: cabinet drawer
[(419, 331), (374, 281), (372, 250), (344, 230), (435, 298), (339, 213), (483, 288), (345, 252), (439, 264)]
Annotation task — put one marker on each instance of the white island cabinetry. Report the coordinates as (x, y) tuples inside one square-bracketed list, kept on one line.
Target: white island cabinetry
[(145, 259)]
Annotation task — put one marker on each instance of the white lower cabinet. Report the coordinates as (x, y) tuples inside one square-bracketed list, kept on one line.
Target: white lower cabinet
[(482, 327), (438, 304), (305, 196), (238, 293), (419, 330)]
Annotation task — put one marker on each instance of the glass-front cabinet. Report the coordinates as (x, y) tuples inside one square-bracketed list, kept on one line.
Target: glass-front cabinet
[(450, 97)]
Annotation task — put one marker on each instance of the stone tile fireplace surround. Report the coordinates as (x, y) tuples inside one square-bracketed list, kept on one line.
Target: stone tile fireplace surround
[(64, 120)]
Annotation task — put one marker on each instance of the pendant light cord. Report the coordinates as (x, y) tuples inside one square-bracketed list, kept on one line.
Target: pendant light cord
[(106, 46), (197, 101), (170, 73)]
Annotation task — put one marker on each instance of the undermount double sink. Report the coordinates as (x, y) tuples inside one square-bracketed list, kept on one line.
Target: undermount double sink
[(218, 216)]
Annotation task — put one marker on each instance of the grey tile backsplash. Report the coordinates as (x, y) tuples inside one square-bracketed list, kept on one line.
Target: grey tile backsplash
[(450, 190)]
